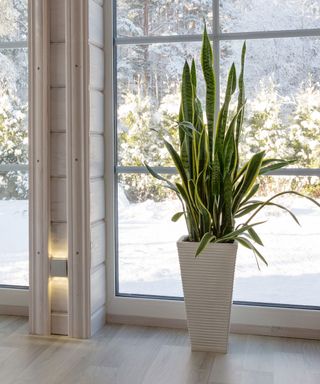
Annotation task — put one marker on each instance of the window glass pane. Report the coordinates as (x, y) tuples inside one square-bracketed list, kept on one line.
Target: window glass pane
[(13, 146), (148, 259), (13, 20), (14, 228), (261, 15), (148, 262), (293, 253), (148, 99), (13, 106), (164, 17), (282, 78)]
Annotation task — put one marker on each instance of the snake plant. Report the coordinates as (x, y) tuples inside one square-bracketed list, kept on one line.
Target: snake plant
[(214, 187)]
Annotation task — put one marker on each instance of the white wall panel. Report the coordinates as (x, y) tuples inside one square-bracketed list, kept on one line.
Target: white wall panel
[(97, 200), (58, 199), (59, 241), (98, 288), (98, 247), (57, 21), (96, 68), (59, 294), (57, 65), (96, 156), (58, 154), (95, 23), (58, 109), (96, 112)]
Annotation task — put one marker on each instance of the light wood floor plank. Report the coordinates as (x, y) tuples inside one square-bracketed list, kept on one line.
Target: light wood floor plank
[(145, 355)]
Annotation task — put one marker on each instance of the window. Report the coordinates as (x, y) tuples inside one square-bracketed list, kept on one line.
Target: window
[(14, 240), (282, 76)]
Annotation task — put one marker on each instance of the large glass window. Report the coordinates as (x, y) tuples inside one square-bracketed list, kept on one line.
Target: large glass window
[(13, 143), (282, 76)]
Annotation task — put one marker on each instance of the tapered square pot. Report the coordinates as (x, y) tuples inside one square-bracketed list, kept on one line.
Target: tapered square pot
[(208, 285)]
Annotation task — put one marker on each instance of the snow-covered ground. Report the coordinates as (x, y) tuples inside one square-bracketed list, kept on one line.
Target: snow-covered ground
[(148, 261), (14, 251)]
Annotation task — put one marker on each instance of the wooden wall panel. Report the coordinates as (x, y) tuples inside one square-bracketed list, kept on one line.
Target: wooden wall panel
[(58, 200), (58, 67), (98, 247), (96, 156), (98, 288), (96, 68), (58, 155), (97, 200), (57, 21), (59, 241), (96, 112), (59, 294), (58, 109), (96, 28)]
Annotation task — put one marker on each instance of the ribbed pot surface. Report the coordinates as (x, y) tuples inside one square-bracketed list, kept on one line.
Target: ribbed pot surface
[(208, 284)]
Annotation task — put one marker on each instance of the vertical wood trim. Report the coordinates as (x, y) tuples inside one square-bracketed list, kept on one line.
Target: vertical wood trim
[(77, 96), (110, 189), (39, 134)]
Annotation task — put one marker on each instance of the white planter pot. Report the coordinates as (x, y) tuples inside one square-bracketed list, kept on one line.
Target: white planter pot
[(208, 284)]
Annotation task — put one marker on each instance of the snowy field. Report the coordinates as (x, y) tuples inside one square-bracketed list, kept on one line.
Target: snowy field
[(148, 260), (14, 242)]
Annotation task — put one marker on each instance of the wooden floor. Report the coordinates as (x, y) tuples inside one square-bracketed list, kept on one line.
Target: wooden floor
[(145, 355)]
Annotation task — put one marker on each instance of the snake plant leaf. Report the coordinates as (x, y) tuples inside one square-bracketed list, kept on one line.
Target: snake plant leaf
[(187, 94), (209, 77), (278, 165), (253, 191), (188, 128), (177, 161), (241, 96), (206, 217), (254, 205), (194, 75), (247, 244), (180, 119), (216, 177), (227, 222), (232, 235), (249, 178), (177, 216), (206, 239), (161, 178), (198, 119), (277, 195), (223, 114), (254, 236), (184, 156)]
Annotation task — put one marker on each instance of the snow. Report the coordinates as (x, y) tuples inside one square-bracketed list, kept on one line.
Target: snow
[(14, 251), (148, 262)]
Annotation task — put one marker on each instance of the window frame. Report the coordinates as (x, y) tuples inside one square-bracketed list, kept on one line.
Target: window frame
[(14, 298), (261, 318)]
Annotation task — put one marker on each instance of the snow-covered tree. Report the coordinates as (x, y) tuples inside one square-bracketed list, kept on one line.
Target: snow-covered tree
[(13, 99)]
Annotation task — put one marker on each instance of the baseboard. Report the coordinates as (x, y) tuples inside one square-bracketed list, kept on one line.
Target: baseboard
[(14, 310), (147, 321), (297, 333)]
